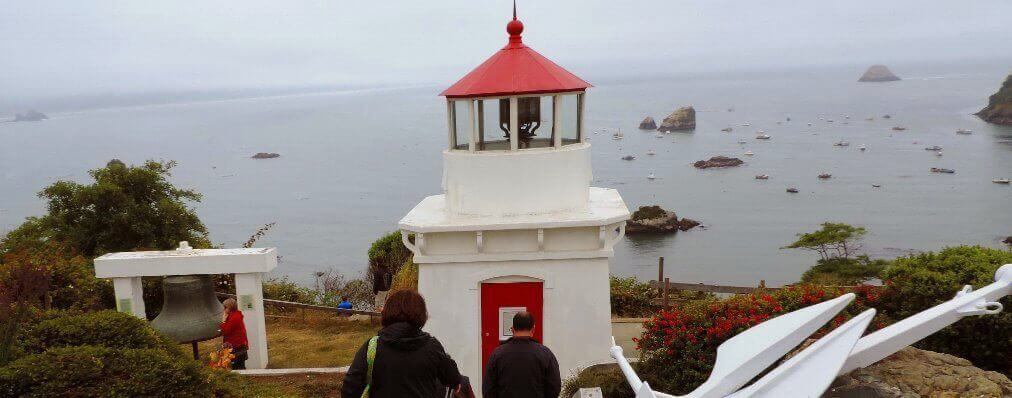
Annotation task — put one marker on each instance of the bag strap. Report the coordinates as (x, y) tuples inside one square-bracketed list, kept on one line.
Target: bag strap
[(370, 358)]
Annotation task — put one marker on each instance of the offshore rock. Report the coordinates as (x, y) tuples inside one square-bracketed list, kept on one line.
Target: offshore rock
[(30, 116), (718, 161), (878, 73), (912, 373), (654, 219), (266, 155), (681, 119), (999, 106), (648, 124)]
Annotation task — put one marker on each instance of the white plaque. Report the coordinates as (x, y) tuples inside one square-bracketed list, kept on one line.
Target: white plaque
[(506, 321)]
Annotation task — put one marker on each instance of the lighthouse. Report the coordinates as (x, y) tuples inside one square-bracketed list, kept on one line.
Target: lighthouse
[(517, 226)]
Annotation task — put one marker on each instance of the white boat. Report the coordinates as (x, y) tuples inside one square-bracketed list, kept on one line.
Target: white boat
[(809, 124), (651, 176), (841, 143), (762, 177), (862, 147), (650, 152), (659, 135), (964, 132), (618, 135), (742, 141), (762, 137), (746, 124), (749, 153), (1000, 181), (939, 153)]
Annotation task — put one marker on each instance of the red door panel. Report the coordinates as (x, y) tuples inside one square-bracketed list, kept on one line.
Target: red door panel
[(494, 296)]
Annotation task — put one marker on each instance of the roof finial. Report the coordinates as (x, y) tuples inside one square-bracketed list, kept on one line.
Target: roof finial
[(515, 27)]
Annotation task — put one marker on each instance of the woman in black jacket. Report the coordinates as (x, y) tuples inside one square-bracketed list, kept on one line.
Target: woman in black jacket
[(409, 363)]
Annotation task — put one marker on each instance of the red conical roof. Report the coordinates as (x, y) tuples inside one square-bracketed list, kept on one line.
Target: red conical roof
[(513, 70)]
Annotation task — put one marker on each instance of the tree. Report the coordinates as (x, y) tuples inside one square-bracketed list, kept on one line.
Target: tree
[(834, 240), (386, 257), (23, 283), (840, 271), (125, 208)]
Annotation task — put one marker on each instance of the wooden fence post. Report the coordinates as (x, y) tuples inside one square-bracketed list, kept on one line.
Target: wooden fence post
[(660, 274), (667, 283)]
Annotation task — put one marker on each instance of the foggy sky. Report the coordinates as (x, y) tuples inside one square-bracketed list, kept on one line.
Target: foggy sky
[(57, 48)]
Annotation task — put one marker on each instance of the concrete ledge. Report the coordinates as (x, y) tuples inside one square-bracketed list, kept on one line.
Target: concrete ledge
[(629, 320), (292, 371)]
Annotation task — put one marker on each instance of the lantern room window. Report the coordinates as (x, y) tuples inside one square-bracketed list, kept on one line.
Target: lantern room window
[(515, 122)]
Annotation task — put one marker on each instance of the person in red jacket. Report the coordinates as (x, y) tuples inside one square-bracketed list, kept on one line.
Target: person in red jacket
[(233, 333)]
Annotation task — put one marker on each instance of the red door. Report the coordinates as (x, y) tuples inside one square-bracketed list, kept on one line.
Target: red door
[(499, 301)]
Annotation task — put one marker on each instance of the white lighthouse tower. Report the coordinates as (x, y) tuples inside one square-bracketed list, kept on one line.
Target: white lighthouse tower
[(518, 226)]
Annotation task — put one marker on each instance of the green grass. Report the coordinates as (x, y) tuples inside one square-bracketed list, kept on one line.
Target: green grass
[(316, 341)]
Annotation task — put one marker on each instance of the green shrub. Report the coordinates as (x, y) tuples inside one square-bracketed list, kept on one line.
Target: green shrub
[(608, 377), (630, 297), (333, 286), (387, 254), (108, 329), (647, 213), (406, 277), (839, 271), (286, 290), (92, 371), (923, 280)]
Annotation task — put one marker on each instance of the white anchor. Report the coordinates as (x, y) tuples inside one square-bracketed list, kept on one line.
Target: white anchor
[(810, 372)]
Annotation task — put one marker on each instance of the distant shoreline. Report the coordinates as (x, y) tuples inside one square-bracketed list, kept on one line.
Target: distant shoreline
[(176, 98)]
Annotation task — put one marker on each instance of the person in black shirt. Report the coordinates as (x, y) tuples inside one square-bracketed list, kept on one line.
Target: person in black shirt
[(409, 363), (521, 367)]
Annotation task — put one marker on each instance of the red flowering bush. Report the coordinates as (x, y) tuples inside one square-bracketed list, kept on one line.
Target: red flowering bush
[(678, 347)]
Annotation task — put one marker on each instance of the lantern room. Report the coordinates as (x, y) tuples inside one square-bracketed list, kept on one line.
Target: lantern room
[(515, 127), (515, 100)]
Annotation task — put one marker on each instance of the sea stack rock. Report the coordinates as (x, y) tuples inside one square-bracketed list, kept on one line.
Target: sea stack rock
[(654, 219), (718, 161), (648, 124), (999, 106), (878, 73), (30, 116), (266, 155), (682, 119)]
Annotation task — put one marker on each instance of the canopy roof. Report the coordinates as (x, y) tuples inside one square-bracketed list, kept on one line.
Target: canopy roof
[(515, 69)]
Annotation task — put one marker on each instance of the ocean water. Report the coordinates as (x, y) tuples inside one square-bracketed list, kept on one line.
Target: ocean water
[(354, 162)]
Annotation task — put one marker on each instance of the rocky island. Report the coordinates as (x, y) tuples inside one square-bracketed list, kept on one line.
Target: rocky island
[(266, 155), (999, 106), (30, 116), (878, 73), (648, 124), (682, 119), (718, 161), (654, 219)]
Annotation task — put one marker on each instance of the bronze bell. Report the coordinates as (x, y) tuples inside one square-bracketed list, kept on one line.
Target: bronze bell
[(190, 310)]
